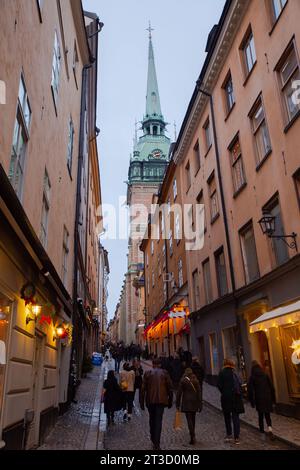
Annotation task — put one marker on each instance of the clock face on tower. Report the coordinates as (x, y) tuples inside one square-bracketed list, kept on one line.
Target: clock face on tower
[(156, 154)]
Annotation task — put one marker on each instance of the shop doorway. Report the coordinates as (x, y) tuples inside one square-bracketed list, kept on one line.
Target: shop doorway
[(37, 387), (264, 352)]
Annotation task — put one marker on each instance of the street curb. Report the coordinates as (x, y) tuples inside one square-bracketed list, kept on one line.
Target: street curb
[(282, 439)]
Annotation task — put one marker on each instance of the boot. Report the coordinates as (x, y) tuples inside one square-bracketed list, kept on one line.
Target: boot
[(193, 440)]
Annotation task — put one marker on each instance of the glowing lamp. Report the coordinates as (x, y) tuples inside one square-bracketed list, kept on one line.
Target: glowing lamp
[(35, 310), (59, 332)]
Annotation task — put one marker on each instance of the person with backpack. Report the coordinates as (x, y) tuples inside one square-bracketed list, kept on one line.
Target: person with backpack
[(230, 387), (189, 400), (261, 394)]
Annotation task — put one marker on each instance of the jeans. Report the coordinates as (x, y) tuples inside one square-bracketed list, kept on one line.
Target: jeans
[(191, 422), (261, 417), (228, 416), (117, 365), (128, 401), (155, 421)]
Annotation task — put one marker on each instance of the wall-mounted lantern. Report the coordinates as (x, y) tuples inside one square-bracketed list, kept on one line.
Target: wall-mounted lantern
[(268, 226)]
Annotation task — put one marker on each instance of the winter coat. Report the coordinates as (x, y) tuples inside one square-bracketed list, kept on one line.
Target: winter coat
[(129, 377), (231, 391), (156, 388), (198, 371), (176, 370), (113, 397), (261, 392), (189, 394)]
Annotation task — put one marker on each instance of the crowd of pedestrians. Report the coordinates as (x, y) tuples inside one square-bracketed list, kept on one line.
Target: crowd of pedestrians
[(180, 379)]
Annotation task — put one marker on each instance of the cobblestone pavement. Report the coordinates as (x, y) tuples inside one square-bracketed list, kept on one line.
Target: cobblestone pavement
[(73, 428), (134, 435)]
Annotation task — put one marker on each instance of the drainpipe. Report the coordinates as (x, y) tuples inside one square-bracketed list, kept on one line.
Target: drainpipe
[(240, 353)]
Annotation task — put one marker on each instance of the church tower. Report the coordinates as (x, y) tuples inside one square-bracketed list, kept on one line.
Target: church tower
[(147, 167)]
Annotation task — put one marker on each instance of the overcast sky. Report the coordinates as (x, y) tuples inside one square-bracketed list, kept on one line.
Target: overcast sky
[(180, 33)]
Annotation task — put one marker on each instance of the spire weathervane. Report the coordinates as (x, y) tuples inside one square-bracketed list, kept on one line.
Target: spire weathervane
[(150, 29)]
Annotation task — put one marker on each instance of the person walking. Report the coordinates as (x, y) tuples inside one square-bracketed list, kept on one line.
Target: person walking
[(157, 393), (189, 400), (198, 370), (127, 379), (138, 370), (112, 397), (230, 387), (176, 370), (261, 394)]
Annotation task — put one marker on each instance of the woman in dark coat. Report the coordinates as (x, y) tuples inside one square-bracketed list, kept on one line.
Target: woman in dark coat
[(189, 400), (113, 398), (261, 394), (230, 387)]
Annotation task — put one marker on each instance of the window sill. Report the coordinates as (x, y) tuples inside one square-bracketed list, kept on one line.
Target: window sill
[(249, 74), (229, 112), (260, 164), (214, 219), (197, 172), (70, 174), (239, 190), (292, 122), (208, 150), (188, 189), (277, 19)]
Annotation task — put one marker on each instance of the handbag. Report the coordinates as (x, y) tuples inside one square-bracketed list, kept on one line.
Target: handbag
[(124, 385), (178, 421)]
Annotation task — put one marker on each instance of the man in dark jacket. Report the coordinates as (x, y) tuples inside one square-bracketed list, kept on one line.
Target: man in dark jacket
[(261, 394), (231, 399), (157, 393)]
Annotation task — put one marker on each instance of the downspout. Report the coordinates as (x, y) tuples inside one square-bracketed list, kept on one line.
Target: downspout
[(240, 353)]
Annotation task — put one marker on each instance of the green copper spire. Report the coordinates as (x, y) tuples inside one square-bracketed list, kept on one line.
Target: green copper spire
[(153, 109), (151, 150)]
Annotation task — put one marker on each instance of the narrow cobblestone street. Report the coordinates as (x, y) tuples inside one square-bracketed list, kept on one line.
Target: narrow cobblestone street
[(83, 427)]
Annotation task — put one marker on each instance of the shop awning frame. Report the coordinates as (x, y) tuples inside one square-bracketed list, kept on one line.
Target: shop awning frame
[(287, 314)]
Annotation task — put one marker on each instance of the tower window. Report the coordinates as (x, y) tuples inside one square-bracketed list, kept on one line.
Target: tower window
[(154, 130)]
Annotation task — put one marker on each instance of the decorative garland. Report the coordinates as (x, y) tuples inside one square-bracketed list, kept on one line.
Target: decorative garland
[(28, 292)]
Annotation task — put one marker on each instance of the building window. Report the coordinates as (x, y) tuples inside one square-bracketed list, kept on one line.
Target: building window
[(153, 279), (164, 256), (5, 315), (214, 354), (221, 272), (288, 72), (260, 131), (165, 291), (249, 253), (207, 282), (180, 273), (177, 227), (20, 140), (238, 174), (279, 247), (229, 339), (70, 144), (197, 157), (152, 248), (229, 94), (171, 242), (75, 64), (188, 176), (55, 68), (207, 134), (296, 177), (214, 205), (45, 209), (200, 202), (174, 189), (248, 51), (196, 290), (277, 7), (65, 256)]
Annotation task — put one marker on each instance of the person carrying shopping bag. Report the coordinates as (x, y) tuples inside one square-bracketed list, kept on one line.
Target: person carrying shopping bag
[(189, 400)]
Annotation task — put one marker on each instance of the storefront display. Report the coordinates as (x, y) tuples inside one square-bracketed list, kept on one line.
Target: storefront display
[(5, 311)]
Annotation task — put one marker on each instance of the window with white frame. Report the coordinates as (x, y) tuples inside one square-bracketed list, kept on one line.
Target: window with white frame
[(214, 204), (177, 227), (277, 7), (180, 273), (56, 68), (249, 53), (70, 144), (197, 157), (171, 242), (229, 94), (188, 181), (289, 73), (45, 210), (65, 256), (238, 173), (20, 140), (207, 134), (196, 290), (174, 189), (260, 131), (249, 253)]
